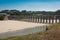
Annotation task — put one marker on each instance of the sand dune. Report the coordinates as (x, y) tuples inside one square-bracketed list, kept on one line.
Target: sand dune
[(11, 25)]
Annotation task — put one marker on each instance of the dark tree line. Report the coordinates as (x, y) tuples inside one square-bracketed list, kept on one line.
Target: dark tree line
[(24, 12)]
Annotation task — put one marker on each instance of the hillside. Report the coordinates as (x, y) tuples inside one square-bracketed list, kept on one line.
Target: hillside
[(52, 33)]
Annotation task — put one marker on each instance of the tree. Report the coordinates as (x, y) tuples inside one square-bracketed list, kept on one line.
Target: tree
[(15, 12), (57, 12)]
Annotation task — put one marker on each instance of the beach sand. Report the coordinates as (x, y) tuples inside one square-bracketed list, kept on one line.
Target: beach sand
[(12, 25)]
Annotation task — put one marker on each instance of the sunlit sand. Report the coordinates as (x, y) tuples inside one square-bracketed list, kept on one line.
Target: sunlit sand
[(11, 25)]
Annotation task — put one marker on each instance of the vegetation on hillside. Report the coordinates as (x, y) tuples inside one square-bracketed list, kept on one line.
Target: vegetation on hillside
[(27, 14), (24, 12), (53, 33), (2, 17)]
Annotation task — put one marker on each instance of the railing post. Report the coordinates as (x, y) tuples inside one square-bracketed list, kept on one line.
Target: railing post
[(40, 19), (59, 20), (43, 19), (52, 19), (33, 18), (49, 21), (56, 19), (36, 19), (46, 20)]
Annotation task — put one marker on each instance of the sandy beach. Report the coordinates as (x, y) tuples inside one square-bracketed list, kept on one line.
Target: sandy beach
[(12, 25)]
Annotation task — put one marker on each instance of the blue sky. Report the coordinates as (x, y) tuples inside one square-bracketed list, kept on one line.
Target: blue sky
[(30, 5)]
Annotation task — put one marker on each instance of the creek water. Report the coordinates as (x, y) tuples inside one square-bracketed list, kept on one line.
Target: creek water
[(23, 32)]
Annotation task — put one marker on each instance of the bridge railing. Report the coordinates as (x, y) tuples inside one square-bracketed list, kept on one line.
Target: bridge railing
[(48, 19)]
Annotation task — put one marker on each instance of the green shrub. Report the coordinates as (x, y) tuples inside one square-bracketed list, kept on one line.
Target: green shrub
[(2, 17)]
